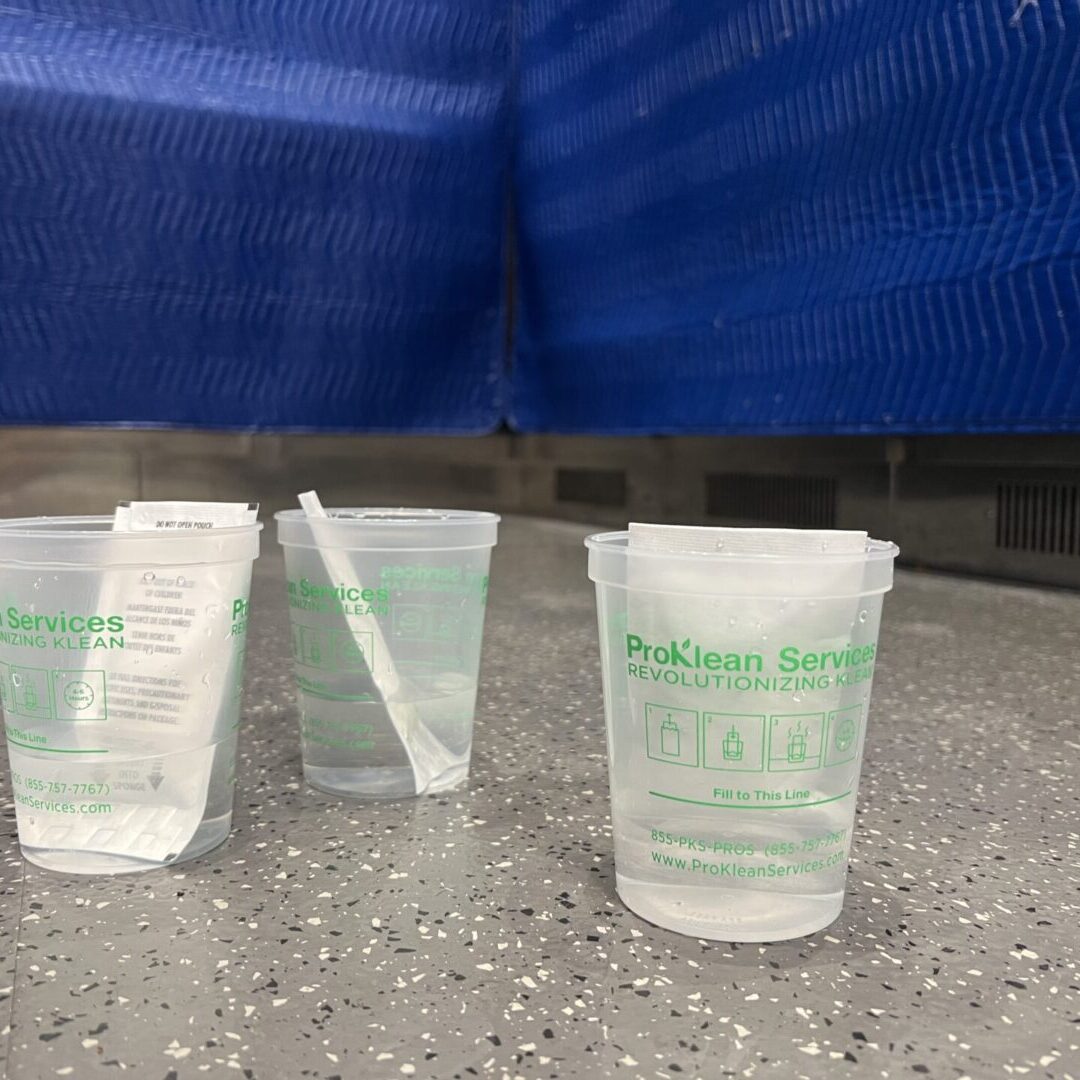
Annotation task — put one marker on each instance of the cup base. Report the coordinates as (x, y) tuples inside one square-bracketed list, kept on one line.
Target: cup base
[(750, 915), (380, 783), (209, 835)]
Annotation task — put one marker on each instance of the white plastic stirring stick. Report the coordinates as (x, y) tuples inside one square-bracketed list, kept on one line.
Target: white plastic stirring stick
[(427, 754)]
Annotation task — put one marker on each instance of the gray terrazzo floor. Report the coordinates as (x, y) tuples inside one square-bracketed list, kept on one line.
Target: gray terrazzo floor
[(477, 934)]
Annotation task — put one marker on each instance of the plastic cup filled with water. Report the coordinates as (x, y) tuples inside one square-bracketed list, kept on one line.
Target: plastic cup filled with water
[(387, 615), (121, 659), (737, 667)]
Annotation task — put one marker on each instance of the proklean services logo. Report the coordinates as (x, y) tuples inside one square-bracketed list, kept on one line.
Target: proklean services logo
[(685, 662), (688, 654)]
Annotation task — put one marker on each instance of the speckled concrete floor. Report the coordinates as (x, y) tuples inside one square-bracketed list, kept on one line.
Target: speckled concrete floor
[(478, 934)]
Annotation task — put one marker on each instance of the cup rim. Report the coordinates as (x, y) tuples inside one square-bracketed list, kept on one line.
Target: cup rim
[(386, 517), (618, 543), (100, 527)]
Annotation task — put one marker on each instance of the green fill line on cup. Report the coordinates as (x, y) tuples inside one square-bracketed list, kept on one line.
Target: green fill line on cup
[(751, 806), (51, 749), (336, 697)]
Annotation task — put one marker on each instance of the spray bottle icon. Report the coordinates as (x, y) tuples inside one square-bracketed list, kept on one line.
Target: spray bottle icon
[(796, 744), (670, 738), (732, 746)]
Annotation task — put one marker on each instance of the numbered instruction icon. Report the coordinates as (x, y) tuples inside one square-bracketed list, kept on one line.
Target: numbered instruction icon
[(795, 741), (842, 742), (79, 695), (332, 650), (671, 735), (734, 742), (28, 692)]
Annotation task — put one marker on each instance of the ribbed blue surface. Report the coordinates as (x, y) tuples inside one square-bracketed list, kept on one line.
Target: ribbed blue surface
[(799, 216), (749, 216), (253, 212)]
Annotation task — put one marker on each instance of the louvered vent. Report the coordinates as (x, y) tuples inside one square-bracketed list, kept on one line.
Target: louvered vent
[(1039, 517)]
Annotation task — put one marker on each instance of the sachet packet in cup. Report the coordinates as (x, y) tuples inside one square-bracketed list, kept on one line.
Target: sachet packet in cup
[(774, 583), (156, 811)]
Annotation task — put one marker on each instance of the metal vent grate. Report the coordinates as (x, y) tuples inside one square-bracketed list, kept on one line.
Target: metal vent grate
[(801, 502), (1039, 517), (599, 487)]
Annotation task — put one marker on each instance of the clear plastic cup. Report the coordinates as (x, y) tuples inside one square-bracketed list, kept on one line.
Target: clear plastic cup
[(736, 693), (121, 660), (387, 612)]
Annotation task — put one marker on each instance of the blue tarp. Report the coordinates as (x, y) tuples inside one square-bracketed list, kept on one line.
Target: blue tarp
[(749, 216), (253, 213), (792, 216)]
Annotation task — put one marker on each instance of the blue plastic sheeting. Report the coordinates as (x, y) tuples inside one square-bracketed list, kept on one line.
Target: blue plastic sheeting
[(799, 216), (253, 213), (749, 216)]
